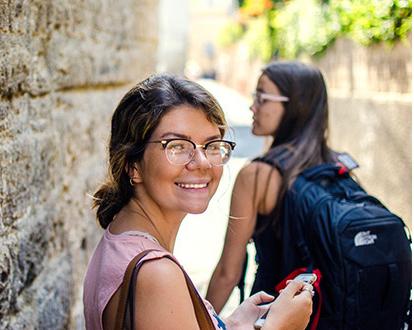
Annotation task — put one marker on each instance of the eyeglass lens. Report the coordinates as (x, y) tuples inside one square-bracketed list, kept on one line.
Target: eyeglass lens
[(257, 98), (181, 152)]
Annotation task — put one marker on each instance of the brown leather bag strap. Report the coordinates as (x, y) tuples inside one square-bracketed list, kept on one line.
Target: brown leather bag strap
[(203, 316), (124, 289), (128, 290)]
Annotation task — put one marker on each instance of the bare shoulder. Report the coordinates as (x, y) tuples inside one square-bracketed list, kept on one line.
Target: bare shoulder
[(261, 183), (156, 271), (162, 297), (257, 170)]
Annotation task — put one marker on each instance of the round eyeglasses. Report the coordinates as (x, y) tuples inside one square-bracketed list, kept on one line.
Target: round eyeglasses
[(182, 151), (259, 98)]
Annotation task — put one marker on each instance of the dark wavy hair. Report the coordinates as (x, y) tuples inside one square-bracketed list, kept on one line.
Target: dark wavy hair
[(300, 140), (133, 122)]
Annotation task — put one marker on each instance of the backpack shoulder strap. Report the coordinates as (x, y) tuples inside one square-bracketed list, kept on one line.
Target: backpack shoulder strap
[(127, 294), (242, 281), (277, 157)]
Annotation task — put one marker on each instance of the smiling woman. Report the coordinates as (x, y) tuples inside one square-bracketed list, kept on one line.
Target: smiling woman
[(165, 160)]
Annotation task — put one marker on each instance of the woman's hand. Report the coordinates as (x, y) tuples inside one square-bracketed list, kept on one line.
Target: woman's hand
[(290, 311), (248, 312), (292, 308)]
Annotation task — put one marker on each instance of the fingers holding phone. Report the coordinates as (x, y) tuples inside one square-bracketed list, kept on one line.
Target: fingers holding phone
[(293, 306), (308, 279)]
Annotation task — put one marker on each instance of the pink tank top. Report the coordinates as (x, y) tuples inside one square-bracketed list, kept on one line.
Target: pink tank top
[(107, 267)]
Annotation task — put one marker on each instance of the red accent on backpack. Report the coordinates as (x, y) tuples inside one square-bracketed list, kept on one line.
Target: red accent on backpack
[(316, 286), (342, 168)]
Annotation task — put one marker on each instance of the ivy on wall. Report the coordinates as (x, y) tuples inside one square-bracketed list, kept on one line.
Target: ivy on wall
[(290, 28)]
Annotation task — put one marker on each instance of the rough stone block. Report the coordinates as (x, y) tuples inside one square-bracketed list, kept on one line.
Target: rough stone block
[(60, 44), (49, 299), (64, 67), (7, 294)]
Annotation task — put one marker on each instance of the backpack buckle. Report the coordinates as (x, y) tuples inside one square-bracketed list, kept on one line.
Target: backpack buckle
[(346, 163), (342, 169)]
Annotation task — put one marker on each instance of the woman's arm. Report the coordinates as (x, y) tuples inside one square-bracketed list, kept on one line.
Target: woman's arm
[(162, 297), (248, 196), (239, 230)]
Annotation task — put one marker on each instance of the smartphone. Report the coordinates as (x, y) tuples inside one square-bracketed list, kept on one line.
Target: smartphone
[(309, 278), (260, 321)]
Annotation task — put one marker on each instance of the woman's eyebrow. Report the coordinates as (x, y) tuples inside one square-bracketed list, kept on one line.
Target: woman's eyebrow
[(214, 137), (178, 135), (183, 136)]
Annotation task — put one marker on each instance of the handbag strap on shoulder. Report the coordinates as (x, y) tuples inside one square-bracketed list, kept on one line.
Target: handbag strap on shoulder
[(127, 292), (125, 287)]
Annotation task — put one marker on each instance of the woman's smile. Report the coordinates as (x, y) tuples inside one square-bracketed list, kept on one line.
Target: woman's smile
[(195, 186), (194, 190)]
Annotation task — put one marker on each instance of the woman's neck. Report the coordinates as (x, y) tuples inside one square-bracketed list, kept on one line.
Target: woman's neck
[(139, 215)]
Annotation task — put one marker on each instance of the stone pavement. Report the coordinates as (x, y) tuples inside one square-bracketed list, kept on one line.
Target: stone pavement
[(200, 239)]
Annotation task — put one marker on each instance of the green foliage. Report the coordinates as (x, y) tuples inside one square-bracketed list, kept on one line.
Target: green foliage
[(230, 34), (257, 36), (295, 27), (304, 26), (371, 21)]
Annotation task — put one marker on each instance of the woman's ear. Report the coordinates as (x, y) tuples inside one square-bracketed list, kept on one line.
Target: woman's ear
[(134, 173)]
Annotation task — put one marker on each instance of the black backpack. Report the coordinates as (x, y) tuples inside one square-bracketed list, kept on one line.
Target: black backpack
[(331, 225)]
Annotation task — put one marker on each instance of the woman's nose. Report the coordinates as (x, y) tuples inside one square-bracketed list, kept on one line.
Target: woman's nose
[(199, 160), (253, 108)]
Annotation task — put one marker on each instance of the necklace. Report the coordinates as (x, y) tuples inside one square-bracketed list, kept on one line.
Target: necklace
[(160, 239)]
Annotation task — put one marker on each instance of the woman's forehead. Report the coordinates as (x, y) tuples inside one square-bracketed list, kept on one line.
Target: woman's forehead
[(265, 84), (264, 80), (187, 121)]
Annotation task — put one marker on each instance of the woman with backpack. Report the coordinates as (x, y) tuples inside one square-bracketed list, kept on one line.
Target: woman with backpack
[(166, 153), (306, 214), (290, 106)]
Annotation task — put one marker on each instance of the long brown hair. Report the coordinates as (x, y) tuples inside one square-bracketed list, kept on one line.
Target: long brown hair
[(133, 122), (301, 137)]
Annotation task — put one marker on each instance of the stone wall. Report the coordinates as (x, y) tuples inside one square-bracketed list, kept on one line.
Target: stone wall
[(63, 67)]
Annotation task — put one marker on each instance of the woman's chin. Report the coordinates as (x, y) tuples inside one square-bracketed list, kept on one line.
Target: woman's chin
[(256, 131), (196, 209)]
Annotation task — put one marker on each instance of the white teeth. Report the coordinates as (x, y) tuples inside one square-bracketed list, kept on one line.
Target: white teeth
[(192, 185)]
